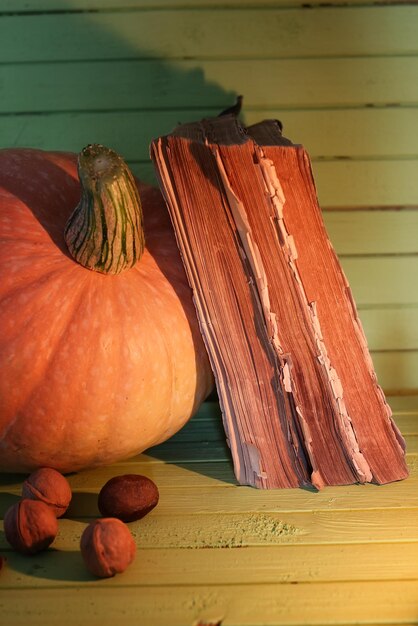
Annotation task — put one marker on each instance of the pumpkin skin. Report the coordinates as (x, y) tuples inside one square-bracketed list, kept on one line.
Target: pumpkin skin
[(94, 368)]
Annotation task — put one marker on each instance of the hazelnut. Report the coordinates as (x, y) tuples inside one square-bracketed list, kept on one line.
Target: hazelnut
[(50, 487), (107, 547), (30, 526), (128, 497)]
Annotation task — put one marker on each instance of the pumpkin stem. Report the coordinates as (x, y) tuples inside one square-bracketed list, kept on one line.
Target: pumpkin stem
[(105, 232)]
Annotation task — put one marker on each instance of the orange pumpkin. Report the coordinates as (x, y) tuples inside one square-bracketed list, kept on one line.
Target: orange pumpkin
[(95, 366)]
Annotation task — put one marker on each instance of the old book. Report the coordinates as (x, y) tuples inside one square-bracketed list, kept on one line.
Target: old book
[(300, 400)]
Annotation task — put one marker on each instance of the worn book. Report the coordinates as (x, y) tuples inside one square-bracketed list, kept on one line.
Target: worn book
[(300, 400)]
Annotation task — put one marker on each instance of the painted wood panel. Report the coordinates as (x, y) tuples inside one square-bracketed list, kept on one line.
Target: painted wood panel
[(364, 133), (382, 280), (159, 85), (65, 6), (397, 371), (279, 564), (188, 33), (243, 530), (304, 556), (391, 329), (182, 494), (368, 232), (343, 183), (279, 604)]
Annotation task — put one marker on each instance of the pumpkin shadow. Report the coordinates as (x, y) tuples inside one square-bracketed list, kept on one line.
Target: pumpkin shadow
[(104, 86), (157, 95), (200, 446)]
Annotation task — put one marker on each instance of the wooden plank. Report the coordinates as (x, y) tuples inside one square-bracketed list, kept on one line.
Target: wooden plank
[(237, 605), (362, 183), (184, 492), (382, 280), (397, 371), (400, 405), (346, 183), (352, 232), (391, 329), (262, 529), (157, 84), (129, 132), (57, 6), (188, 33), (331, 134), (41, 6), (233, 499), (373, 232), (256, 565), (240, 530), (370, 132), (206, 474)]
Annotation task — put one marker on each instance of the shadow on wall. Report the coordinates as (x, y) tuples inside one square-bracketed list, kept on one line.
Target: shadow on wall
[(117, 93), (64, 105)]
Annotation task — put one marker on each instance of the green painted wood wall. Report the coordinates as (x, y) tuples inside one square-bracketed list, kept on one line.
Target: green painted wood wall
[(342, 77)]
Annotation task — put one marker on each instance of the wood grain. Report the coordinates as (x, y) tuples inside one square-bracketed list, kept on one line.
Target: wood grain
[(345, 554), (156, 84), (361, 184), (46, 6), (350, 133), (186, 32), (278, 604), (228, 566)]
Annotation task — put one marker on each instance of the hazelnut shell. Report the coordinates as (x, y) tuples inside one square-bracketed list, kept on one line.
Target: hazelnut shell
[(30, 526), (48, 486), (107, 547), (128, 497)]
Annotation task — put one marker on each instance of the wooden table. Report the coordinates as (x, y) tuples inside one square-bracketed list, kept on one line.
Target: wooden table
[(215, 553)]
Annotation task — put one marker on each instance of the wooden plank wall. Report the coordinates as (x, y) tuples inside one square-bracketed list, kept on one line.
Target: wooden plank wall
[(342, 76)]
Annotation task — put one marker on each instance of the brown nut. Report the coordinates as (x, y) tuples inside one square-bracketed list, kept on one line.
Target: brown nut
[(128, 497), (50, 487), (30, 526), (107, 547)]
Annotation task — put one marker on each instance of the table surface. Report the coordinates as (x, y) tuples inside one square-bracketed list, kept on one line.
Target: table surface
[(214, 553)]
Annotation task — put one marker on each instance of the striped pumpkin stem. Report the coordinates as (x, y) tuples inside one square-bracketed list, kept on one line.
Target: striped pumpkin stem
[(105, 232)]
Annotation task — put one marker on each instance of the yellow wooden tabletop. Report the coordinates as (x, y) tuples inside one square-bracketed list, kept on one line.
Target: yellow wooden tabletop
[(214, 553)]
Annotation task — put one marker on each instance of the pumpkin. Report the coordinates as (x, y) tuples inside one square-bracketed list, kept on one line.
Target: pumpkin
[(100, 351)]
